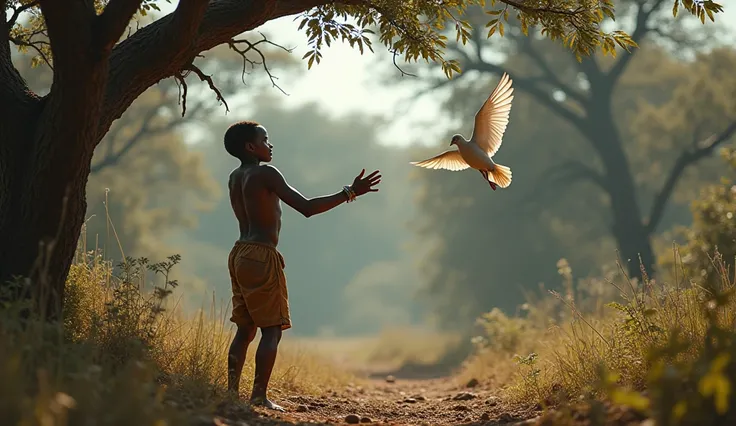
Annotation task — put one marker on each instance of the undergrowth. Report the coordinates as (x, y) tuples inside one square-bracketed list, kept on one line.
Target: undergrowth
[(662, 350), (124, 353)]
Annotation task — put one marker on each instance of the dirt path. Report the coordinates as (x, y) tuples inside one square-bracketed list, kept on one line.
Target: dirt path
[(399, 402)]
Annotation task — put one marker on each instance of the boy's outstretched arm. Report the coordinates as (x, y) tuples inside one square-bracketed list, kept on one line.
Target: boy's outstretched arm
[(311, 206)]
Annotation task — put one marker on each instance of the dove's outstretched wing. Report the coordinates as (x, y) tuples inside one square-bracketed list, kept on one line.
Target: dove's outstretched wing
[(493, 117), (448, 160)]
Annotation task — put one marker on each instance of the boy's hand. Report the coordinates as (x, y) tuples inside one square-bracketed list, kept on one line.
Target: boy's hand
[(362, 185)]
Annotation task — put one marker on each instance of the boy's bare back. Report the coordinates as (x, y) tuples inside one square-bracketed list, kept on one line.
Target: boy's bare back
[(257, 209)]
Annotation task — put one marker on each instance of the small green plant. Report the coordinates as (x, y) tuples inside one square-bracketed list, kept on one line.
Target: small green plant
[(529, 372)]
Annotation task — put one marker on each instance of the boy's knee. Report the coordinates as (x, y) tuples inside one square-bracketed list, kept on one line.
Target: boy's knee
[(271, 336), (247, 332)]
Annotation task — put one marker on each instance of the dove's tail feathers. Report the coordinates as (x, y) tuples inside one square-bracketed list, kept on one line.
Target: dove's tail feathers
[(501, 175)]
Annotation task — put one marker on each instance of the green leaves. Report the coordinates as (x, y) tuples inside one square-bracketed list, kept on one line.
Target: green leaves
[(415, 29), (321, 27), (698, 8)]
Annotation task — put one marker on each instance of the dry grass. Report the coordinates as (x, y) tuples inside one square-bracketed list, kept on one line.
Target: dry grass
[(126, 354), (562, 346)]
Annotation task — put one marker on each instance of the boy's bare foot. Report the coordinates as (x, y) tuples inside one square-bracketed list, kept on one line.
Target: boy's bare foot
[(265, 402)]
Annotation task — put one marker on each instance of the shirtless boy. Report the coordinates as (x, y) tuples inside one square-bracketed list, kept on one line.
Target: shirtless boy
[(260, 298)]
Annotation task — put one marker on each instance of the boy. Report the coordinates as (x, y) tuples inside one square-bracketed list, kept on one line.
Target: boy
[(260, 298)]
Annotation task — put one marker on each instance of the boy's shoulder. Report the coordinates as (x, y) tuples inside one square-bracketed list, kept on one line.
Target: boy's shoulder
[(267, 170), (263, 173)]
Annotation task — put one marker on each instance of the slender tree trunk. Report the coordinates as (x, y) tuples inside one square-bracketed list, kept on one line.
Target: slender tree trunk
[(628, 228)]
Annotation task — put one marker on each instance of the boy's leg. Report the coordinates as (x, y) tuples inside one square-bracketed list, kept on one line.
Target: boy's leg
[(236, 356), (265, 360)]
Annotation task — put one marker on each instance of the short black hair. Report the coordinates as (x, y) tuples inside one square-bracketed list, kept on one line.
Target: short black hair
[(237, 135)]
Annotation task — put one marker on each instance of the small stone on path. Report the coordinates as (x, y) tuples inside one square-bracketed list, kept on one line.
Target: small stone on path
[(472, 383), (302, 409), (366, 420), (390, 379), (352, 419), (464, 396)]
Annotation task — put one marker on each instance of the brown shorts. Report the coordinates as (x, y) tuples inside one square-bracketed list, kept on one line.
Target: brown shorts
[(258, 282)]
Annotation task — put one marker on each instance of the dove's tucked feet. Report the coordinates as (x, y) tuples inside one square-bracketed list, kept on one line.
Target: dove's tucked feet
[(485, 176), (262, 401)]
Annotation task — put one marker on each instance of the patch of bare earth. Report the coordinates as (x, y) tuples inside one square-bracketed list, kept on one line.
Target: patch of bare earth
[(391, 402)]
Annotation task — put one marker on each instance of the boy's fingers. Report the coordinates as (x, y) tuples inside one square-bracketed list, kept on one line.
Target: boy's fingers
[(361, 174)]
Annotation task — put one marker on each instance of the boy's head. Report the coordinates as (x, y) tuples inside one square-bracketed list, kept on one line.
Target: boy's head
[(248, 139)]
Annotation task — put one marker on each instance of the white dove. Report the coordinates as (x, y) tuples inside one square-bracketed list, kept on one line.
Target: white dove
[(490, 124)]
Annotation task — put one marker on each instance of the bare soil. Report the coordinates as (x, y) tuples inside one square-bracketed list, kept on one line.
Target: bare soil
[(438, 401)]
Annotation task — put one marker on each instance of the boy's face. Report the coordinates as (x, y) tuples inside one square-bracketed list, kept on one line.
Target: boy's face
[(260, 147)]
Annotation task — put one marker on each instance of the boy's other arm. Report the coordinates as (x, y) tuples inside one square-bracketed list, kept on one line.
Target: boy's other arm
[(276, 183), (311, 206)]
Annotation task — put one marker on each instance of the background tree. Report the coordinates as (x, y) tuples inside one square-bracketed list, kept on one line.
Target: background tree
[(583, 91), (490, 248)]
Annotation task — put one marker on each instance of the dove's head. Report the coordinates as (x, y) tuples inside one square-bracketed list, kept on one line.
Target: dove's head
[(456, 139)]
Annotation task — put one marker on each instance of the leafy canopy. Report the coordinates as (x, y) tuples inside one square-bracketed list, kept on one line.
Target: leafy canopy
[(411, 28)]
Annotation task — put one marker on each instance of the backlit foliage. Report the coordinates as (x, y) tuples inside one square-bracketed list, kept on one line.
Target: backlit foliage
[(410, 28)]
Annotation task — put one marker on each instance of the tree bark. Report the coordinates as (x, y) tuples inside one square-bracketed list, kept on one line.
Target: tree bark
[(628, 228), (47, 148)]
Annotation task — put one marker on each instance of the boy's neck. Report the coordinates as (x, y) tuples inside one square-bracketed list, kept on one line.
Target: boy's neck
[(249, 161)]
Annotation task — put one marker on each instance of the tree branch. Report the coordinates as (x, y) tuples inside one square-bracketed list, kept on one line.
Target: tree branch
[(688, 157), (641, 30), (541, 9), (35, 46), (528, 47), (113, 21), (18, 10), (67, 26), (203, 77), (253, 46), (566, 173), (13, 87), (159, 50), (528, 86)]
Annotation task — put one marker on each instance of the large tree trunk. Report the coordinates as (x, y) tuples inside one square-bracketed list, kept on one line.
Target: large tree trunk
[(628, 227), (47, 145), (42, 211)]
